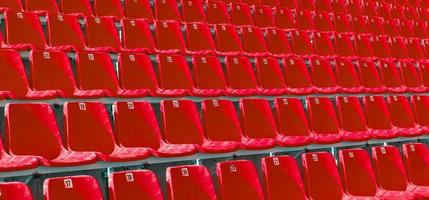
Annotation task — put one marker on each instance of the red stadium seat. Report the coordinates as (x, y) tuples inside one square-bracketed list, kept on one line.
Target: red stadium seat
[(381, 47), (323, 21), (278, 43), (359, 25), (291, 122), (292, 4), (138, 9), (240, 15), (13, 79), (238, 179), (301, 43), (240, 76), (79, 7), (141, 184), (323, 5), (378, 117), (15, 5), (420, 105), (402, 116), (397, 11), (193, 11), (391, 27), (263, 16), (415, 49), (227, 129), (339, 6), (253, 41), (344, 46), (398, 48), (282, 178), (199, 39), (52, 70), (323, 44), (406, 28), (208, 76), (352, 119), (227, 40), (136, 36), (15, 190), (420, 29), (322, 178), (370, 77), (49, 6), (174, 77), (347, 76), (166, 10), (363, 46), (179, 179), (391, 77), (342, 23), (297, 77), (45, 143), (217, 13), (270, 77), (95, 73), (271, 3), (9, 163), (360, 179), (136, 126), (252, 2), (391, 174), (323, 121), (305, 20), (307, 4), (383, 10), (182, 125), (87, 128), (169, 37), (416, 163), (72, 188), (375, 25), (136, 74), (284, 18), (355, 7), (23, 30), (370, 8), (323, 77), (411, 77), (424, 74), (106, 27), (258, 124), (111, 8), (60, 24)]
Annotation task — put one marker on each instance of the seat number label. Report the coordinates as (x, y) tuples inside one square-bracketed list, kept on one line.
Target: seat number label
[(68, 183)]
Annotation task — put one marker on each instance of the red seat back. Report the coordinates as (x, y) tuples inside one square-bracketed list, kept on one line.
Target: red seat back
[(377, 113), (138, 184), (72, 188), (291, 117), (389, 168), (257, 120)]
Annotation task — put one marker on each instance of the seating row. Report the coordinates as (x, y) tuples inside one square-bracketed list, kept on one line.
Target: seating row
[(94, 75), (389, 177), (89, 136)]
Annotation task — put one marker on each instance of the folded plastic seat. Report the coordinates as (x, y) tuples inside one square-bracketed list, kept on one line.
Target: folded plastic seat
[(359, 24), (406, 28), (424, 74), (420, 106), (297, 76), (339, 6), (391, 173), (238, 179), (307, 5), (292, 4), (15, 190), (369, 8), (72, 188), (241, 15), (375, 25), (87, 128), (301, 43), (284, 18), (355, 7), (391, 77), (263, 16), (140, 184), (258, 124), (193, 11), (60, 24), (168, 37), (104, 26), (380, 47), (32, 130), (344, 46), (52, 71), (397, 11), (166, 10), (179, 178), (253, 41), (110, 8), (323, 121), (208, 75), (76, 7), (415, 157), (15, 5), (252, 2), (391, 27), (278, 43), (49, 6), (323, 44), (323, 21), (323, 77), (420, 29), (322, 178), (138, 9), (174, 76), (136, 36), (13, 79), (352, 119), (370, 77), (136, 74), (383, 10), (136, 126), (347, 77), (23, 30), (342, 23), (182, 125), (281, 178), (305, 20), (359, 177), (271, 3), (227, 40), (292, 124), (269, 76), (402, 116), (199, 39), (415, 49), (398, 48), (240, 76), (411, 74), (364, 48), (217, 13), (378, 118)]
